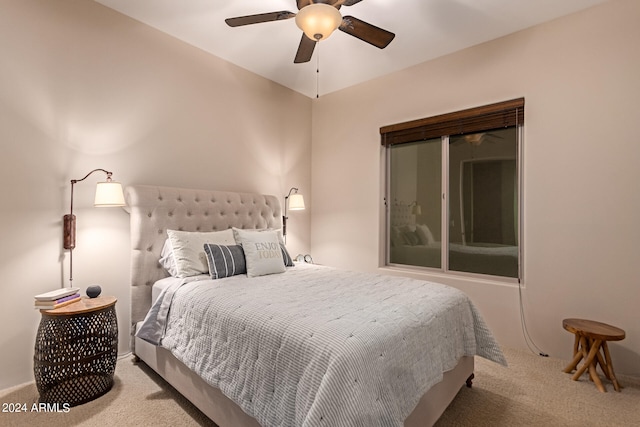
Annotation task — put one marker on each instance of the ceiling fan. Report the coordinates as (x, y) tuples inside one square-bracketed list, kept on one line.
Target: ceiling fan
[(318, 19), (478, 138)]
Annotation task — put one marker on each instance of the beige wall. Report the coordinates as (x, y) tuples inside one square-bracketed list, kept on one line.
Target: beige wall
[(579, 77), (83, 87)]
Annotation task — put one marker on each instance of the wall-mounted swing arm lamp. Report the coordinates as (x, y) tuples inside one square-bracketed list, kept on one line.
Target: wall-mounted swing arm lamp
[(108, 194), (416, 209), (295, 203)]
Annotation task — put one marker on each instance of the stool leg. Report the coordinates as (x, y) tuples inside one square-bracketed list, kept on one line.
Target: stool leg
[(594, 374), (584, 348), (591, 364), (574, 363), (600, 360), (577, 356), (592, 346), (612, 375)]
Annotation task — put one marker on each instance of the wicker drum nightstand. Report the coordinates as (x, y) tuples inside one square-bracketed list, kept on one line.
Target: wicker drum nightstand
[(76, 351)]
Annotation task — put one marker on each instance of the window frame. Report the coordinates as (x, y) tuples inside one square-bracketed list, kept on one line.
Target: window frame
[(480, 119)]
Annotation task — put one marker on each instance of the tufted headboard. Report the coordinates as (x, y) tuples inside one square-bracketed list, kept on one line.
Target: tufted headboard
[(155, 209), (401, 214)]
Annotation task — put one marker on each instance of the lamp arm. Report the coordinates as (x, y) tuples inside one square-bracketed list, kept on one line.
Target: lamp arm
[(290, 191), (74, 181), (69, 222), (285, 217), (287, 198)]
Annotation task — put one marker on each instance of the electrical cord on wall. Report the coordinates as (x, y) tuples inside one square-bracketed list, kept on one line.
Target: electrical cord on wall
[(527, 338)]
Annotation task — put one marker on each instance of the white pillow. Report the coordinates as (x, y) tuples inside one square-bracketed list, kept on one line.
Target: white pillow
[(396, 236), (166, 259), (424, 234), (188, 249), (262, 251)]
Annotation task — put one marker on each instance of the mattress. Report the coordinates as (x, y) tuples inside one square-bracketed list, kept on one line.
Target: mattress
[(161, 285)]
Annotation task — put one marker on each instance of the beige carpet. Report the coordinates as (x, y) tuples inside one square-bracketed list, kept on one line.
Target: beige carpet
[(532, 391)]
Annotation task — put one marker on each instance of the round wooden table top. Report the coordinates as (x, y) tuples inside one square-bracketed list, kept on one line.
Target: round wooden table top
[(85, 305), (593, 329)]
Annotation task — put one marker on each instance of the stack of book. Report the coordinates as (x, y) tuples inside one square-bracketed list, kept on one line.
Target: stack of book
[(56, 299)]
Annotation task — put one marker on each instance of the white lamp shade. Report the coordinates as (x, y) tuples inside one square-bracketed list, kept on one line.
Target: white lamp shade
[(318, 20), (109, 193), (296, 202)]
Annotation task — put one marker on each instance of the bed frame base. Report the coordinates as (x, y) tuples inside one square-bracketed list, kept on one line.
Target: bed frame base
[(470, 380), (224, 412)]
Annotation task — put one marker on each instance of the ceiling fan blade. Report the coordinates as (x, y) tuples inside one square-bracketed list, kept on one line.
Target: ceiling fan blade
[(261, 17), (334, 3), (348, 2), (494, 135), (366, 32), (305, 50)]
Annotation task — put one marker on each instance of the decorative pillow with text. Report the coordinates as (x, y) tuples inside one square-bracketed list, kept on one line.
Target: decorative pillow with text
[(262, 251)]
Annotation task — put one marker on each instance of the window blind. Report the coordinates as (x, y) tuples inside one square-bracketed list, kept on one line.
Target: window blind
[(479, 119)]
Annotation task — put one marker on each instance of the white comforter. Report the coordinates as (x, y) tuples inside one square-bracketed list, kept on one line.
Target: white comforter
[(316, 346)]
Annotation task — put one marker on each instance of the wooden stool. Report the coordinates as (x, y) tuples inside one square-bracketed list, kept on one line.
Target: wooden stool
[(591, 337)]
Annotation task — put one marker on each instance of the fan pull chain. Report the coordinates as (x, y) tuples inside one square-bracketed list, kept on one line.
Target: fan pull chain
[(317, 69)]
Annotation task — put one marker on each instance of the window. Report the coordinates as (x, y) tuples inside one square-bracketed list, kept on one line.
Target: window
[(454, 189)]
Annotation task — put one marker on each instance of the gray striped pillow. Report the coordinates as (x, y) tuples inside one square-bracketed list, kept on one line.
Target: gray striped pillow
[(288, 261), (225, 261)]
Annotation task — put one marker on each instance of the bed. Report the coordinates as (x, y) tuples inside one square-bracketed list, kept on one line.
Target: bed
[(413, 243), (310, 345), (493, 260)]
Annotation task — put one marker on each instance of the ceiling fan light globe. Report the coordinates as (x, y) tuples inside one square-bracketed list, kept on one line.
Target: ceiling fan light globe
[(318, 20)]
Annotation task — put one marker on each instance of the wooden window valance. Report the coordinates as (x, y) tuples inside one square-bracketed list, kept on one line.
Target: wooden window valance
[(479, 119)]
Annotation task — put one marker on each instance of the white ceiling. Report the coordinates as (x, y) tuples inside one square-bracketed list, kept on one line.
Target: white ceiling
[(425, 29)]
